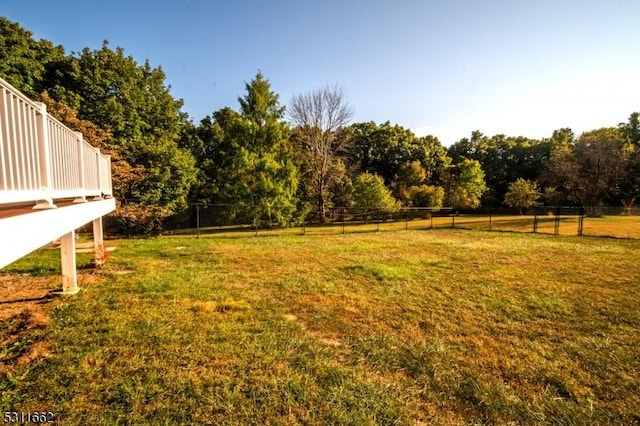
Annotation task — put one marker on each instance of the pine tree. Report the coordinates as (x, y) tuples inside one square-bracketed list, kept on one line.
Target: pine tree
[(262, 170)]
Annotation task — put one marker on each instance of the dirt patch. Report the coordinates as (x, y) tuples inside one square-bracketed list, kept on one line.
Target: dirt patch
[(25, 304), (22, 293)]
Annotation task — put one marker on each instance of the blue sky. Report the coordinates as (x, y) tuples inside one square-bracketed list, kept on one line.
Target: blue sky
[(437, 67)]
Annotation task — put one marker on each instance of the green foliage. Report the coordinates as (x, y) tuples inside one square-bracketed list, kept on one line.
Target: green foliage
[(23, 60), (631, 129), (505, 158), (370, 193), (564, 136), (132, 102), (410, 174), (383, 149), (426, 196), (127, 101), (162, 159), (409, 187), (592, 170), (522, 193), (247, 158), (466, 185), (134, 219)]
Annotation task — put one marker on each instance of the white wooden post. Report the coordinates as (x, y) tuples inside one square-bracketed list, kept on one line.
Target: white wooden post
[(44, 146), (83, 187), (98, 242), (68, 259), (109, 177), (98, 171)]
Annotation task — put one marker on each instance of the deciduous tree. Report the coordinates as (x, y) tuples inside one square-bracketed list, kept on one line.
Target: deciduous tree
[(319, 116), (370, 193), (522, 193), (465, 185), (132, 102), (591, 171)]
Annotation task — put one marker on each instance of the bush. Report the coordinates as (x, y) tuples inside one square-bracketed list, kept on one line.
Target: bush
[(136, 219)]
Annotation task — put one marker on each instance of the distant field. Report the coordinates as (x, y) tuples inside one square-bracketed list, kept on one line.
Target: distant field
[(420, 327)]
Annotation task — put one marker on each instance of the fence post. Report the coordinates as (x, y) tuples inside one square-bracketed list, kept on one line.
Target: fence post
[(255, 218), (581, 222), (197, 220), (490, 219), (556, 230), (431, 218), (406, 219), (453, 220), (343, 221), (535, 220)]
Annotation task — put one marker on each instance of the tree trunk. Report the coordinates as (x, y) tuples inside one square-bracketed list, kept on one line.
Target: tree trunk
[(320, 209)]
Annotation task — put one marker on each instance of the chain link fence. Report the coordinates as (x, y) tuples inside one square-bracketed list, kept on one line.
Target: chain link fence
[(617, 222)]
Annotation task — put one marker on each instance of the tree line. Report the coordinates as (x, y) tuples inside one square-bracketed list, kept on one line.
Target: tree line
[(283, 164)]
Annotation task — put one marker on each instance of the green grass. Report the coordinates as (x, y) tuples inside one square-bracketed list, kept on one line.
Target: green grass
[(418, 327)]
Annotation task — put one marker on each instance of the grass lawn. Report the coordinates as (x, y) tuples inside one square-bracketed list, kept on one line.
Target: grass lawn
[(416, 327)]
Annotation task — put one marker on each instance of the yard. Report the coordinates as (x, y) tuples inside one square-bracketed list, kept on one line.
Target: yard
[(406, 327)]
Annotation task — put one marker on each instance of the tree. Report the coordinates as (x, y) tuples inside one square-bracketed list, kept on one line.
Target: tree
[(410, 175), (319, 115), (132, 102), (593, 169), (433, 157), (23, 60), (370, 193), (128, 102), (426, 196), (503, 159), (564, 136), (522, 194), (214, 147), (123, 174), (631, 186), (410, 188), (261, 170), (383, 149), (465, 185), (631, 129)]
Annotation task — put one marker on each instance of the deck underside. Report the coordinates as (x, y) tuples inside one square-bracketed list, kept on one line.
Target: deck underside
[(24, 230)]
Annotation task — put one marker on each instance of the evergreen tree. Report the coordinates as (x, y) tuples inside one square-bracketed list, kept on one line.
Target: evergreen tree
[(261, 170)]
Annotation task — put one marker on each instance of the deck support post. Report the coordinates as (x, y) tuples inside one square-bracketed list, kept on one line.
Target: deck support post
[(68, 259), (98, 242)]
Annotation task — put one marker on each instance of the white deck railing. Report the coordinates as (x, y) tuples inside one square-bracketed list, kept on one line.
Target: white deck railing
[(41, 159)]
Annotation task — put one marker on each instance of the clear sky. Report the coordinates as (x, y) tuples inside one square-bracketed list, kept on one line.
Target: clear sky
[(447, 67)]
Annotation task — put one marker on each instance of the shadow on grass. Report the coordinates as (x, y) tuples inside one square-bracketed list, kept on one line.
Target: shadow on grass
[(42, 299), (36, 266)]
